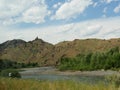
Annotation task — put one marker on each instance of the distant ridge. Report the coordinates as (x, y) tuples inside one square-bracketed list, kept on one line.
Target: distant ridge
[(48, 54)]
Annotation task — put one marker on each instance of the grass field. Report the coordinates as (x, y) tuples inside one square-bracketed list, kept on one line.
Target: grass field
[(21, 84)]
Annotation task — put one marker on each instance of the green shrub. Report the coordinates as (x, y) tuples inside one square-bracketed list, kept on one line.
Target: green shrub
[(10, 73), (92, 61), (114, 80)]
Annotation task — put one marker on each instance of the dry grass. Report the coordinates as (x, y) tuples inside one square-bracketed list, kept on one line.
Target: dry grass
[(20, 84)]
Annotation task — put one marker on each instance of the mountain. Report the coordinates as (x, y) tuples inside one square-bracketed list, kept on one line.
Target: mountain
[(47, 54), (32, 51)]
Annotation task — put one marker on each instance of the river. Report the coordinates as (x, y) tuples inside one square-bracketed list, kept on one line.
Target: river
[(51, 73)]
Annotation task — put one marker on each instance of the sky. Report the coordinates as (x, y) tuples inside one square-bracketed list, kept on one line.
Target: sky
[(59, 20)]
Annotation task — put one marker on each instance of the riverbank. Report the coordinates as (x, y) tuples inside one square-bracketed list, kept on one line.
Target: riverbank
[(52, 70), (64, 83)]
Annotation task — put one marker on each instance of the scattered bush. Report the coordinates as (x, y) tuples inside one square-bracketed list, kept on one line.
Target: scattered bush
[(10, 73), (92, 61), (7, 64)]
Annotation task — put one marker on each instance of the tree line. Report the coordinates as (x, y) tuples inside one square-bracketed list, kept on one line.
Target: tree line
[(8, 64), (92, 61)]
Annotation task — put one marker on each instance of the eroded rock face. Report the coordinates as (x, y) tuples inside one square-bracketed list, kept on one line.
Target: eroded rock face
[(47, 54)]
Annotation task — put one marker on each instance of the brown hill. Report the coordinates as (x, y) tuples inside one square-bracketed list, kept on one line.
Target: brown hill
[(47, 54), (32, 51)]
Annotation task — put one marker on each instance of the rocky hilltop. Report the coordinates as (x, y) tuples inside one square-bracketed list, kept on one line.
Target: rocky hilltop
[(48, 54)]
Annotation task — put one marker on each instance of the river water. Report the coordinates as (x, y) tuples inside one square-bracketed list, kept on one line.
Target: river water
[(51, 73)]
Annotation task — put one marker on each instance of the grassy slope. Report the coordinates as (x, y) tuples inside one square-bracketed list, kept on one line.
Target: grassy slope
[(20, 84), (72, 48), (47, 54)]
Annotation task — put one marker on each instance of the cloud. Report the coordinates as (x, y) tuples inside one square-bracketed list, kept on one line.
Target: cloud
[(105, 10), (103, 28), (35, 14), (71, 9), (104, 16), (107, 1), (33, 11), (95, 4), (117, 9), (57, 5)]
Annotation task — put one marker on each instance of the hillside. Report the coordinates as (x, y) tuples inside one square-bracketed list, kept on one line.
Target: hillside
[(32, 51), (47, 54), (72, 48)]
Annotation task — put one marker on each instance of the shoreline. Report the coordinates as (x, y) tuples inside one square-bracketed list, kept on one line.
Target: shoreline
[(54, 71)]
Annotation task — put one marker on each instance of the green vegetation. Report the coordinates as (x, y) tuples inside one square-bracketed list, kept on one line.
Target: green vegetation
[(20, 84), (114, 80), (7, 68), (10, 73), (8, 64), (92, 61)]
